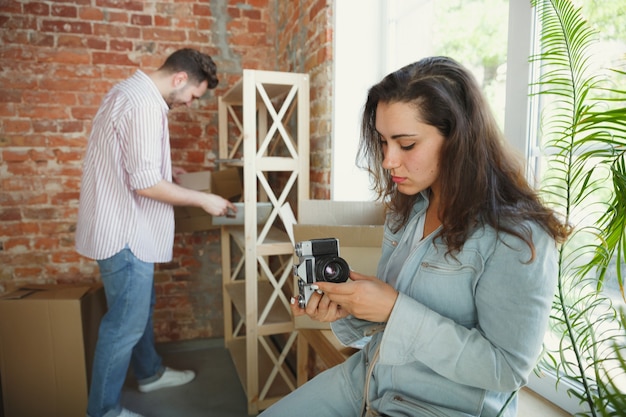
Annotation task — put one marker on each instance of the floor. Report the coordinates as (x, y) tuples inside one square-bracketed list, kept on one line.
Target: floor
[(216, 391)]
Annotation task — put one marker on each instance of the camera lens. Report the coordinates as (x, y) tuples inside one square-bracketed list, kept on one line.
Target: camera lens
[(332, 269)]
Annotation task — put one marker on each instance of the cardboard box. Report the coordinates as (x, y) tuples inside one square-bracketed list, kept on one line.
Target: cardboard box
[(47, 340), (357, 225), (226, 183)]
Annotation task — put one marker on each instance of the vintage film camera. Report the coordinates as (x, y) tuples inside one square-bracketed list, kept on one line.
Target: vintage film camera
[(319, 261)]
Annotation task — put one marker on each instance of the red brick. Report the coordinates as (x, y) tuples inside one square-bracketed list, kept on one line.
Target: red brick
[(91, 13), (96, 43), (20, 22), (141, 19), (10, 214), (63, 156), (36, 8), (162, 20), (260, 4), (63, 56), (60, 98), (40, 126), (201, 10), (11, 6), (7, 110), (44, 111), (70, 72), (16, 244), (121, 4), (18, 229), (71, 41), (16, 126), (84, 113), (10, 96), (75, 2), (66, 85), (27, 272), (66, 26), (119, 46), (187, 23), (45, 243), (116, 17), (157, 34), (65, 257), (251, 14), (233, 12), (64, 11), (111, 58), (257, 26), (116, 31)]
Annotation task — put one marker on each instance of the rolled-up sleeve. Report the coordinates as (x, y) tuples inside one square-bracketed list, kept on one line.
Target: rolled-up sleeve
[(143, 156)]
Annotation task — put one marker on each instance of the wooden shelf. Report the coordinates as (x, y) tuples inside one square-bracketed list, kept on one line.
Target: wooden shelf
[(278, 389), (273, 89), (278, 320), (263, 128), (276, 242)]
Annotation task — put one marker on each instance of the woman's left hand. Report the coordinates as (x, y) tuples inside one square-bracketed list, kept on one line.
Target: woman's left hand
[(364, 297)]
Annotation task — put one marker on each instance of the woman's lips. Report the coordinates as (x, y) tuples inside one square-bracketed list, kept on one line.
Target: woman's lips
[(398, 180)]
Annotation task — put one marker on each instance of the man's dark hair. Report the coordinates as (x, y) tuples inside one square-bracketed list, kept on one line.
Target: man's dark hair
[(198, 66)]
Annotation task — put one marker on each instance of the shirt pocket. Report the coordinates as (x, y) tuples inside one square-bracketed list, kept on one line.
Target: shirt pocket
[(446, 284), (394, 404)]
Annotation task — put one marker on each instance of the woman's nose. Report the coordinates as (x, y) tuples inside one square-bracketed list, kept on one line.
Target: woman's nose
[(390, 160)]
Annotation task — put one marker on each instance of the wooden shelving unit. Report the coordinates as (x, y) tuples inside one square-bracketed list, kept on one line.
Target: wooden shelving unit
[(264, 129)]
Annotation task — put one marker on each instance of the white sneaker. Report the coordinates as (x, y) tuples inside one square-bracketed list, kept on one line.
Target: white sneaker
[(170, 378), (128, 413)]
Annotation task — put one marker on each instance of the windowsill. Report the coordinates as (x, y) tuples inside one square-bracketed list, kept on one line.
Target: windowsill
[(531, 404)]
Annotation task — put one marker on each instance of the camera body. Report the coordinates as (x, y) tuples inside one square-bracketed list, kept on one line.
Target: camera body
[(319, 261)]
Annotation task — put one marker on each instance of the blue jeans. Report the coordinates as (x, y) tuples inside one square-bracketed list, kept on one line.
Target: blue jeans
[(126, 335)]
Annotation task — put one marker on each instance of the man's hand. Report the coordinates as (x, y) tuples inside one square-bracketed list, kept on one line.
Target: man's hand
[(216, 205), (176, 173), (176, 195)]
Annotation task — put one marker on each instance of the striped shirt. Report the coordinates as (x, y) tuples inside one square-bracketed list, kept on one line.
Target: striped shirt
[(128, 149)]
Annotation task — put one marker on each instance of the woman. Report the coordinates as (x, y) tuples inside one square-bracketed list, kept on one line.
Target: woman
[(460, 304)]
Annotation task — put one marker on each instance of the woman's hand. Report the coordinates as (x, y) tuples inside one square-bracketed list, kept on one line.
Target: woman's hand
[(364, 297), (319, 308)]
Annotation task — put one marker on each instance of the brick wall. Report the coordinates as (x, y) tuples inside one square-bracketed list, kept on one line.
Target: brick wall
[(305, 45), (58, 58)]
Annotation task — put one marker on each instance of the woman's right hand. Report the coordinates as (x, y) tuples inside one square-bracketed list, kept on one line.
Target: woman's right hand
[(319, 308)]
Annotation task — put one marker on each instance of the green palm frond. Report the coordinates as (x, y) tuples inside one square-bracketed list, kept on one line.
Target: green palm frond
[(584, 136), (612, 378)]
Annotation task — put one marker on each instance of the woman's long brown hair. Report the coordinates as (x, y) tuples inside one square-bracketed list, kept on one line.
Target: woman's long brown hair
[(482, 183)]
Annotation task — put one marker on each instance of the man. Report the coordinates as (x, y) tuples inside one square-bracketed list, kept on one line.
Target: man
[(126, 219)]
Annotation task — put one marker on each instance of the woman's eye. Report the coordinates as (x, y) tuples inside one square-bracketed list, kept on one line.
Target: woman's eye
[(407, 147)]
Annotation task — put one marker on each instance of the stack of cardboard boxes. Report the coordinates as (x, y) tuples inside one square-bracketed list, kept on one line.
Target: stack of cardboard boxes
[(47, 341)]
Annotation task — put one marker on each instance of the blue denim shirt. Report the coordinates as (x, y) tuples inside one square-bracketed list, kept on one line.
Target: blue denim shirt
[(466, 330)]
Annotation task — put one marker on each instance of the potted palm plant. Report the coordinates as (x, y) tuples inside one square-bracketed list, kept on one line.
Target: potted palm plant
[(584, 134)]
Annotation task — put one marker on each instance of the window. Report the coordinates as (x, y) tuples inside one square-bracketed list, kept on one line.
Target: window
[(372, 41)]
